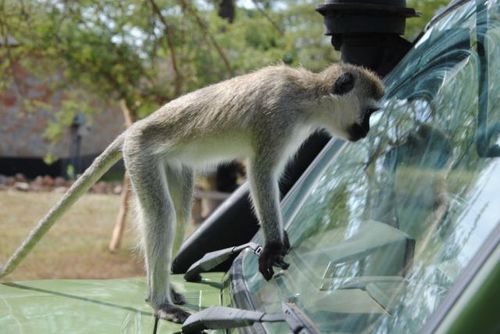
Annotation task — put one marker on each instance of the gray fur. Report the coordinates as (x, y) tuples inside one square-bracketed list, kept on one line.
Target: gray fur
[(262, 117)]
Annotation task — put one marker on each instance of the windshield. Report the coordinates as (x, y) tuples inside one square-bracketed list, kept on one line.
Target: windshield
[(381, 229)]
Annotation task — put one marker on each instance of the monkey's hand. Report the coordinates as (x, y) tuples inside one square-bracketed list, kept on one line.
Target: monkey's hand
[(273, 255), (286, 242)]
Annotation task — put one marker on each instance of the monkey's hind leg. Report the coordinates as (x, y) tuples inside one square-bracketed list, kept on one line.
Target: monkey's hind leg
[(157, 226), (180, 184)]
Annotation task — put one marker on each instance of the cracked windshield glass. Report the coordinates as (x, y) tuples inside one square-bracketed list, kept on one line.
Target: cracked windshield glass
[(383, 228)]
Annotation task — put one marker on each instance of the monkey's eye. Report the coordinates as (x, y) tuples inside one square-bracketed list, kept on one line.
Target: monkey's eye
[(344, 84)]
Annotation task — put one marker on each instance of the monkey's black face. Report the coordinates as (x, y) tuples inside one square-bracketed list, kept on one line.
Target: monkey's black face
[(359, 131)]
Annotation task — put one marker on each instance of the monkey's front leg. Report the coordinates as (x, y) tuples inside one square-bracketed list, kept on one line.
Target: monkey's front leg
[(265, 195)]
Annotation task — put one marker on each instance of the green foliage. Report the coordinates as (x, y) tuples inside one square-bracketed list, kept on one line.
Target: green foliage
[(427, 10), (74, 104), (122, 49), (49, 159), (70, 171)]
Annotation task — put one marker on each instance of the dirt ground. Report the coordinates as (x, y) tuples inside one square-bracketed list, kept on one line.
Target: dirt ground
[(76, 246)]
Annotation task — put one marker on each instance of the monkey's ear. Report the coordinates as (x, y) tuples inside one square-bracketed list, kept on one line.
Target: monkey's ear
[(344, 84)]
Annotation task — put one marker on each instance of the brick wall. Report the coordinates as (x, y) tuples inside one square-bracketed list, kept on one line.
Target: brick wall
[(21, 132)]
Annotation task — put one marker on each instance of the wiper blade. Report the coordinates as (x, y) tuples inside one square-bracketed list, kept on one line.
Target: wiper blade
[(213, 259), (219, 317)]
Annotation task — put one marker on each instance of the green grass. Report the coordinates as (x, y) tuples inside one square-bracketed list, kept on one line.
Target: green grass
[(75, 247)]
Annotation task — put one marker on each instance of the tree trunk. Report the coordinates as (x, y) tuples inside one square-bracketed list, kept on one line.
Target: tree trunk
[(117, 235)]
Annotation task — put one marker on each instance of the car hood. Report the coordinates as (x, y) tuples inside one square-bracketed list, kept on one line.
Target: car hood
[(94, 306)]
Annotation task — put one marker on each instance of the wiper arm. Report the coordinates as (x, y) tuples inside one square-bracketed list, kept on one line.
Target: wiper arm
[(213, 259), (219, 317), (298, 322)]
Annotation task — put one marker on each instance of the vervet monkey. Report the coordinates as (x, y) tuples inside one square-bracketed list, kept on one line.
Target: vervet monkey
[(262, 116)]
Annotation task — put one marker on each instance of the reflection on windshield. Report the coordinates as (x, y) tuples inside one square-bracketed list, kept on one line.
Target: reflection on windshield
[(391, 222)]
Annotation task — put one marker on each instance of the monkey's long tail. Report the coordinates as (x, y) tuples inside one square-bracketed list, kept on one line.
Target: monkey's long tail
[(100, 166)]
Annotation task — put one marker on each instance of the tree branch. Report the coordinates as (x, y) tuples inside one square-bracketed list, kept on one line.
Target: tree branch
[(263, 12), (127, 114), (186, 6), (170, 44), (119, 228)]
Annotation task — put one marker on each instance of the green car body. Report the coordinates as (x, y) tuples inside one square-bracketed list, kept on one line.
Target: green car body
[(94, 306)]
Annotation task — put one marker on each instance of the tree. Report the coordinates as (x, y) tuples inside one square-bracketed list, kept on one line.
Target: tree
[(427, 10), (141, 54)]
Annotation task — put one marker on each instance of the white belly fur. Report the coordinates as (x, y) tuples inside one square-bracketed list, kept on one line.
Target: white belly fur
[(205, 153), (209, 152)]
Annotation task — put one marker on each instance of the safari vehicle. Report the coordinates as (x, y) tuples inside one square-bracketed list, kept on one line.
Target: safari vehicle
[(397, 233)]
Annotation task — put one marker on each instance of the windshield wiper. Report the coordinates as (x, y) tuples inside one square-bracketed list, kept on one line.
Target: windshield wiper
[(212, 259), (219, 317), (297, 320)]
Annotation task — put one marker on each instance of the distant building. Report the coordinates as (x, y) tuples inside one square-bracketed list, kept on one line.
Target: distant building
[(22, 145)]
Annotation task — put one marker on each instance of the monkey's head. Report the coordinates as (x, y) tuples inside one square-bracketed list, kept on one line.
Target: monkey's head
[(349, 95)]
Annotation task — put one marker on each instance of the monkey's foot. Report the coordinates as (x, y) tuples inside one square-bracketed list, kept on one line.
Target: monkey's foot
[(172, 313), (272, 255), (177, 298)]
